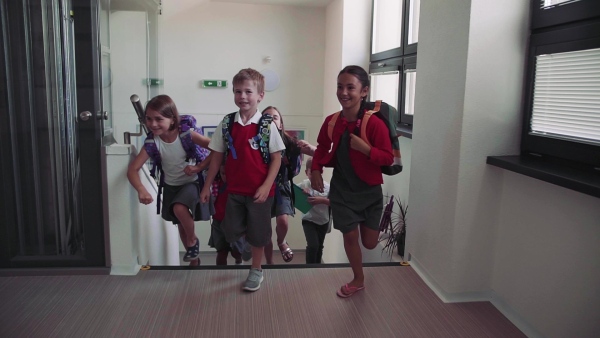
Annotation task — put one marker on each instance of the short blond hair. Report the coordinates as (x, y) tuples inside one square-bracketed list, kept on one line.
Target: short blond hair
[(252, 75)]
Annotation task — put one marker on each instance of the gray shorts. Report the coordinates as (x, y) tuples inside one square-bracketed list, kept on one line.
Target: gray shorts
[(217, 237), (188, 195), (243, 216)]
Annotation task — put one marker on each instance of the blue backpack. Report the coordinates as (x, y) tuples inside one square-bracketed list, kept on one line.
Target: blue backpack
[(262, 137), (187, 124)]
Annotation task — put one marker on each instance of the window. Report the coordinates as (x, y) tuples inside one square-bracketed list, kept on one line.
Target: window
[(562, 104), (393, 68)]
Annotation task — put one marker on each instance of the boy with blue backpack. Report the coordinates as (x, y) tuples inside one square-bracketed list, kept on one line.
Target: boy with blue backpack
[(252, 146), (179, 159)]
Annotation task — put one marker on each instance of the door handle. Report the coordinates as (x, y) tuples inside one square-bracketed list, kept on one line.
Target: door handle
[(85, 115), (103, 115)]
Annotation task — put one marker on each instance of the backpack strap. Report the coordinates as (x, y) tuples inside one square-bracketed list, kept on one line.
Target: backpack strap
[(331, 123), (227, 126), (152, 150), (263, 136), (365, 119)]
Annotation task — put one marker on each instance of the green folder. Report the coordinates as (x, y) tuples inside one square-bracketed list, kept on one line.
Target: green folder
[(301, 202)]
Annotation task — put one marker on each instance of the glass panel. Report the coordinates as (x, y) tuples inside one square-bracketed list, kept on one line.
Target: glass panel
[(387, 25), (105, 41), (384, 86), (409, 95), (413, 21), (42, 142)]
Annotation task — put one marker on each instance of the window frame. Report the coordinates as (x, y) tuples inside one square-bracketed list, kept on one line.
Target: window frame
[(397, 59), (547, 36)]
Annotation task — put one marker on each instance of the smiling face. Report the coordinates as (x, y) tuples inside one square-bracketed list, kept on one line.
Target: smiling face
[(158, 124), (350, 92), (246, 96), (276, 117)]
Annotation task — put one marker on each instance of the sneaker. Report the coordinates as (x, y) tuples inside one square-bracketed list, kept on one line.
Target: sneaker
[(252, 283)]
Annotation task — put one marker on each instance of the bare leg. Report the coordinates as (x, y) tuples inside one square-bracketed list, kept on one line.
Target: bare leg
[(257, 255), (183, 237), (187, 223), (354, 255), (281, 228), (222, 257)]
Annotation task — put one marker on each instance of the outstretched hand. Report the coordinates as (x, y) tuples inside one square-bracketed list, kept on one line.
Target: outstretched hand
[(306, 148)]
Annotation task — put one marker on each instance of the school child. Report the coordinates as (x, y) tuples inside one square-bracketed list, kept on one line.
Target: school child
[(355, 193), (317, 221), (180, 201), (249, 178), (217, 238), (283, 204)]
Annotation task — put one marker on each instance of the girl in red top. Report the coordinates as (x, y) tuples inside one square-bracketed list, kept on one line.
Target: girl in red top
[(355, 190)]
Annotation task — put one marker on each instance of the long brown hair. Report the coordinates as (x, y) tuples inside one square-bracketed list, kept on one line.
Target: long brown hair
[(288, 141)]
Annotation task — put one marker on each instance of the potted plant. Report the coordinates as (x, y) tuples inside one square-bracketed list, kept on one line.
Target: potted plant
[(393, 227)]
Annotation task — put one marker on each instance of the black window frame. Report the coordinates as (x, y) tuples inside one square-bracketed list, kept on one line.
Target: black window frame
[(401, 59), (556, 29)]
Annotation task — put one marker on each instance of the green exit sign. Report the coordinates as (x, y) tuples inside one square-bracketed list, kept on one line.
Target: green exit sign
[(214, 83)]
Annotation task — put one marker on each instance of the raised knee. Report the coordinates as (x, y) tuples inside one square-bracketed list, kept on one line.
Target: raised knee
[(369, 246)]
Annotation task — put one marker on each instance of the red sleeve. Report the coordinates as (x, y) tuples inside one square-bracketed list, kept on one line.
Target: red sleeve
[(381, 147), (323, 146)]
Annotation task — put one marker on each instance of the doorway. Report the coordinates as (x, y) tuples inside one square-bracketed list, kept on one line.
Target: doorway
[(55, 123)]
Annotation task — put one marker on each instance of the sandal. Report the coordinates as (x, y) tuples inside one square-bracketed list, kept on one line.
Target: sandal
[(287, 254), (346, 290), (192, 252)]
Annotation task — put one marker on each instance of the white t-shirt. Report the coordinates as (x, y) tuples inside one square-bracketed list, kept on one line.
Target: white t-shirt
[(275, 141), (319, 213), (172, 156)]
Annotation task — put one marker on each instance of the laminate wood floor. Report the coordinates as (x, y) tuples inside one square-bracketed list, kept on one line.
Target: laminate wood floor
[(210, 303)]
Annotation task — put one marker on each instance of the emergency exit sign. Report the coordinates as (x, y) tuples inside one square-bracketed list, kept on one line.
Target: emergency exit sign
[(214, 83)]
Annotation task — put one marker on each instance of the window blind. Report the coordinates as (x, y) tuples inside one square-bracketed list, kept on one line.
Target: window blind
[(550, 3), (566, 101)]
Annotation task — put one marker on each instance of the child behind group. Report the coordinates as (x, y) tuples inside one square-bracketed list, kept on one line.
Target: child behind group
[(355, 192), (283, 204), (317, 221), (249, 178), (217, 238), (180, 200)]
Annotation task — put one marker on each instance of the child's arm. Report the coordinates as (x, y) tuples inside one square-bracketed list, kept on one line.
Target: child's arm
[(200, 140), (318, 200), (263, 191), (134, 177), (213, 169), (191, 170)]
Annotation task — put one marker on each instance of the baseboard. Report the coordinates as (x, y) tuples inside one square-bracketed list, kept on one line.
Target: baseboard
[(480, 296), (54, 271), (125, 270)]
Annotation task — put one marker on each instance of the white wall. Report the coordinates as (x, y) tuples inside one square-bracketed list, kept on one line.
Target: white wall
[(477, 232), (216, 40)]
